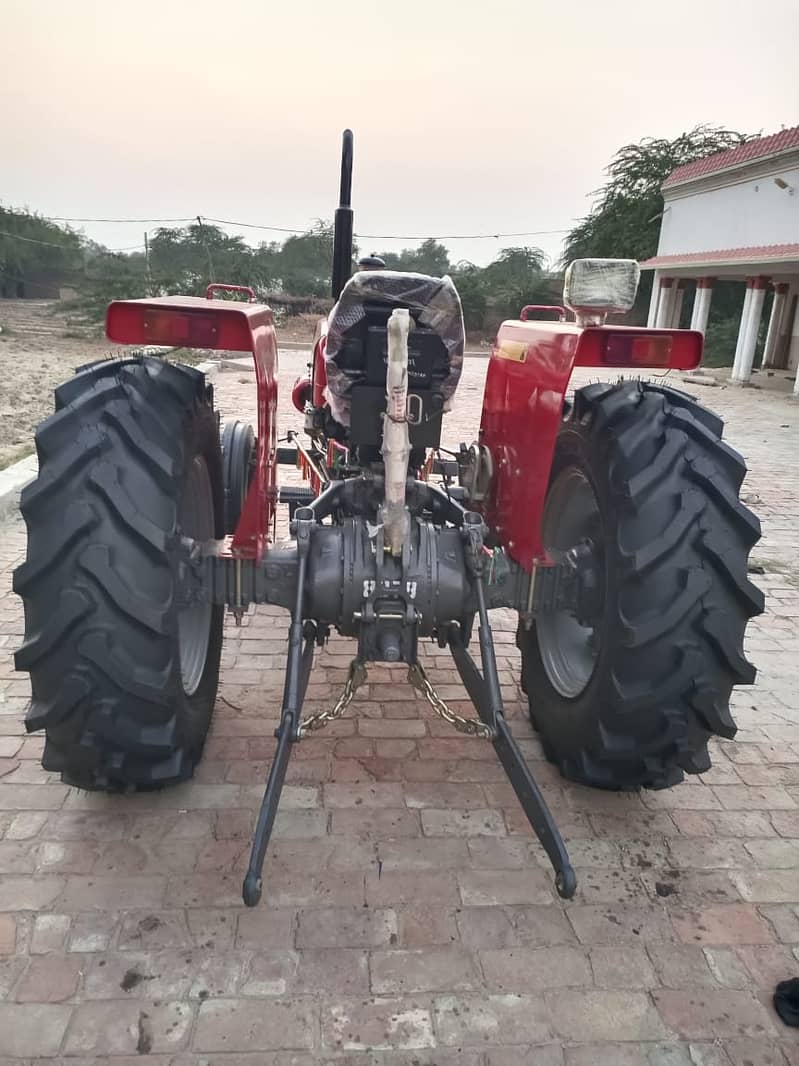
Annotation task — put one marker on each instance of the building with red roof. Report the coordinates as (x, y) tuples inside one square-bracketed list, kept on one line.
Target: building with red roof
[(734, 215)]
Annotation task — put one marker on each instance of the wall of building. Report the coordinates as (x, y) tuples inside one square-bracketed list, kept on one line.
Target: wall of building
[(749, 213)]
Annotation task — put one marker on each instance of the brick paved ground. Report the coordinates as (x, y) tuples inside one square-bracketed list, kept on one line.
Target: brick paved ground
[(409, 918)]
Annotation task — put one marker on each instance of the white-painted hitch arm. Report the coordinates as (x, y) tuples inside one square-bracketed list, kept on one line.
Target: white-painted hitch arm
[(396, 448)]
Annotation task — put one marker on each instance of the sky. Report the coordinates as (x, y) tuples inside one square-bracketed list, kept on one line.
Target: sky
[(469, 117)]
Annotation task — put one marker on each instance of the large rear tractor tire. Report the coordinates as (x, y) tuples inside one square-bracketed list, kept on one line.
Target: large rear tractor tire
[(124, 671), (631, 700)]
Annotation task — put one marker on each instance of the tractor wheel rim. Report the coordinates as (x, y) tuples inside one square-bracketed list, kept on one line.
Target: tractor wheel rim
[(194, 621), (569, 651)]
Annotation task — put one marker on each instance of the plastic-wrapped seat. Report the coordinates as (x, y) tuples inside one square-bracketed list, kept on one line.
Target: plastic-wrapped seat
[(356, 352)]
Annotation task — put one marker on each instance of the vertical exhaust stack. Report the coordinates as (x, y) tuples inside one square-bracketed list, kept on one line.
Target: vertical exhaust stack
[(342, 225), (396, 448)]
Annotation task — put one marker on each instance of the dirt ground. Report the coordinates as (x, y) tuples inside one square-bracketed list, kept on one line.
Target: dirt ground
[(33, 364), (30, 368)]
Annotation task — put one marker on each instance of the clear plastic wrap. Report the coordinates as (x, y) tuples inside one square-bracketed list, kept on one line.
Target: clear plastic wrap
[(438, 306), (603, 286)]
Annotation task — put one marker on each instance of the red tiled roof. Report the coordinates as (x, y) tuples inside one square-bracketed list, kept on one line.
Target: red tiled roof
[(733, 157), (761, 253)]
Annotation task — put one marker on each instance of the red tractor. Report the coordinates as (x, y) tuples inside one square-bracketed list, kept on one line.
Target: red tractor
[(611, 522)]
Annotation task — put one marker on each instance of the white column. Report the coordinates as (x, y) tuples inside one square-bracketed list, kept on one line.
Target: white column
[(651, 318), (663, 318), (701, 311), (745, 357), (775, 322), (676, 310), (742, 327)]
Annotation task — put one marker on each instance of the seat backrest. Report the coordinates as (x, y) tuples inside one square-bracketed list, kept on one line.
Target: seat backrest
[(357, 342)]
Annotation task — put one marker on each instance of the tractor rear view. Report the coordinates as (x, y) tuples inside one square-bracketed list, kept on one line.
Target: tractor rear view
[(610, 522)]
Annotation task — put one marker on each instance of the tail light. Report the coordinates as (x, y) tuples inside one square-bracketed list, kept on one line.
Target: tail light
[(139, 322), (186, 330), (628, 347)]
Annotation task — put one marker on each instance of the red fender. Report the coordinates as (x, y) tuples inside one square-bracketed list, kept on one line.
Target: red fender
[(193, 322), (319, 370), (528, 375)]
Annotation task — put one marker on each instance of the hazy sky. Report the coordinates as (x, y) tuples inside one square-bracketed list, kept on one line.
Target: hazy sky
[(469, 117)]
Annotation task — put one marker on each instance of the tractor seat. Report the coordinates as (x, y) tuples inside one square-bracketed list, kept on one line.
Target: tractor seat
[(357, 346)]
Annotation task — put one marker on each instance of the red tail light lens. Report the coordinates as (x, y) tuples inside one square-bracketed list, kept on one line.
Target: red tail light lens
[(179, 330), (679, 349), (624, 349), (179, 326)]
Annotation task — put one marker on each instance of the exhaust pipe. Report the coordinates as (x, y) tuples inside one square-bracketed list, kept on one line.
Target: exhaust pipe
[(396, 449), (342, 225)]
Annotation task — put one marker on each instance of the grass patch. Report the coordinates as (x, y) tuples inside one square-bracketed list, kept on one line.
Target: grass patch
[(14, 456), (187, 356)]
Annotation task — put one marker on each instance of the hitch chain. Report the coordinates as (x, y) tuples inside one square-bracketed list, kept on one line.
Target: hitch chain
[(355, 678), (418, 678), (472, 727)]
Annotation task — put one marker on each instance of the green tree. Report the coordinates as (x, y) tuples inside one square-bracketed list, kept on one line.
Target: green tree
[(624, 221), (515, 278), (625, 218), (265, 266), (111, 276), (187, 259), (431, 257), (305, 261), (470, 284), (33, 248)]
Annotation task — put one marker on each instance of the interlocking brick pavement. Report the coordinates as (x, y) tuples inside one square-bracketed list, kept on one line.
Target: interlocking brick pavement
[(409, 917)]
